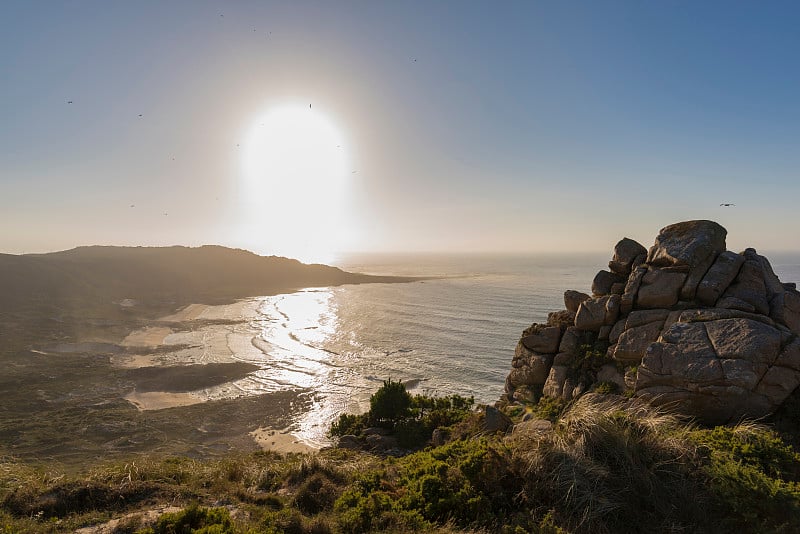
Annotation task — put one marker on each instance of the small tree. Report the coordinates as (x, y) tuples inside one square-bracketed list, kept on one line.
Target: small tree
[(390, 404)]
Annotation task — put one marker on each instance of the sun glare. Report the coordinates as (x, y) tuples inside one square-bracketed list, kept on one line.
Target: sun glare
[(295, 185)]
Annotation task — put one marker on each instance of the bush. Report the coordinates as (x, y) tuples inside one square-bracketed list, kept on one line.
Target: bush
[(195, 520), (464, 482), (413, 418), (390, 404), (753, 476)]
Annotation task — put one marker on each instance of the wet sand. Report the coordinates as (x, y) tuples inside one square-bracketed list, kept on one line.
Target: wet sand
[(165, 380), (189, 313), (187, 378)]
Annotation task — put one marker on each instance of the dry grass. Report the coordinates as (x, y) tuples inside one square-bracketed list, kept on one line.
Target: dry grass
[(611, 465)]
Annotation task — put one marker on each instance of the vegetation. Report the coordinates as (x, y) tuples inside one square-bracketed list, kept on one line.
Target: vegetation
[(607, 464), (413, 418)]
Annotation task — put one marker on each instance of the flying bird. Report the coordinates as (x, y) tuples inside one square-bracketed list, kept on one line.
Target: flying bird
[(69, 101), (727, 204), (133, 205), (140, 114)]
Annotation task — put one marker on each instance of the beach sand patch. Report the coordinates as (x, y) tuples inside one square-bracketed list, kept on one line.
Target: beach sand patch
[(150, 336), (159, 400), (280, 441)]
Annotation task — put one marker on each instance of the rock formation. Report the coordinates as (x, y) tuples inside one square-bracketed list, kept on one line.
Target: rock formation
[(709, 332)]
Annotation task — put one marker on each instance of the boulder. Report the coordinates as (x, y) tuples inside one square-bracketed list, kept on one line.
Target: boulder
[(625, 252), (349, 441), (571, 340), (611, 375), (618, 288), (642, 317), (561, 318), (616, 330), (604, 332), (744, 339), (554, 386), (687, 243), (573, 299), (543, 340), (564, 358), (790, 355), (660, 288), (748, 292), (495, 421), (533, 425), (596, 312), (633, 342), (714, 370), (603, 281), (696, 274), (529, 368), (631, 289), (719, 277), (786, 310)]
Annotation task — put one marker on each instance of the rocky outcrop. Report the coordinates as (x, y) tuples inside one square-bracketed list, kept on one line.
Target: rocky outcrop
[(711, 333)]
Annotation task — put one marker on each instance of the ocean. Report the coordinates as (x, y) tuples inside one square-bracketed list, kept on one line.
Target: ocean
[(451, 333)]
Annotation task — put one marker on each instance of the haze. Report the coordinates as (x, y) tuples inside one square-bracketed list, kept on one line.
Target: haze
[(315, 128)]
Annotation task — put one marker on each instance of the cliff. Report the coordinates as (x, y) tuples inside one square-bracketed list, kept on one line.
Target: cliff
[(709, 332)]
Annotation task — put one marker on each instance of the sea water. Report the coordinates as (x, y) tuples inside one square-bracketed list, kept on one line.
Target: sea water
[(453, 332)]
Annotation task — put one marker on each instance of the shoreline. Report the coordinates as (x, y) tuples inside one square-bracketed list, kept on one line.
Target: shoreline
[(267, 437)]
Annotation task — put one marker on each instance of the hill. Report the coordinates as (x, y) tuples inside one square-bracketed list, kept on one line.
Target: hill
[(208, 274), (70, 293)]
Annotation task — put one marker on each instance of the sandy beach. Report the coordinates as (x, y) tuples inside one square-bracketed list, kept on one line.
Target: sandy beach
[(280, 441), (189, 313), (159, 400), (149, 336)]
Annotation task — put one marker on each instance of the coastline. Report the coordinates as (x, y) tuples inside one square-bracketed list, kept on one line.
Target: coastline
[(176, 380)]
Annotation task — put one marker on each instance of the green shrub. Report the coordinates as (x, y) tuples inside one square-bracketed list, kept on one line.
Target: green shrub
[(348, 424), (390, 404), (753, 477), (549, 408), (605, 388), (463, 482), (413, 418), (195, 520)]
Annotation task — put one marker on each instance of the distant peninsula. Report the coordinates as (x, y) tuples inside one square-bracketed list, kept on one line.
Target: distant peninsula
[(176, 275), (70, 293)]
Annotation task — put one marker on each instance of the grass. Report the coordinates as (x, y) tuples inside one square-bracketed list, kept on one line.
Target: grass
[(608, 464)]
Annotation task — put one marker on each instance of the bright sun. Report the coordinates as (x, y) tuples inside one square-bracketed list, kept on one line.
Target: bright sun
[(295, 185)]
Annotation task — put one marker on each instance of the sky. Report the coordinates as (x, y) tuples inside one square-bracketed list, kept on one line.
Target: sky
[(308, 129)]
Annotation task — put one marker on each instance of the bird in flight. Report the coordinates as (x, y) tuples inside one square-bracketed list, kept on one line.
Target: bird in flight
[(727, 204), (133, 205), (69, 101), (140, 114)]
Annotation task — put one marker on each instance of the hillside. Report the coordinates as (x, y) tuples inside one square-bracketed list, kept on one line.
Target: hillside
[(69, 294), (180, 274)]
